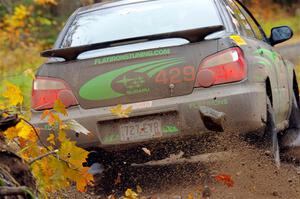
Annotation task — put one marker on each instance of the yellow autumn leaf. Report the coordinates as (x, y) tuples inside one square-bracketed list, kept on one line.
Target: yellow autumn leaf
[(60, 107), (21, 130), (50, 174), (130, 194), (71, 153), (11, 133), (45, 114), (62, 136), (29, 73), (31, 150), (190, 196), (2, 107), (120, 111), (44, 2), (26, 132), (54, 119), (84, 179), (51, 139), (75, 156), (13, 94), (20, 12)]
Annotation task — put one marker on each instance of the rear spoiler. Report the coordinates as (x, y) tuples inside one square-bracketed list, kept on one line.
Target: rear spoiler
[(72, 53)]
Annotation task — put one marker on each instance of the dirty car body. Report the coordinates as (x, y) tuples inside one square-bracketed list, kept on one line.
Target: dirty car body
[(186, 67)]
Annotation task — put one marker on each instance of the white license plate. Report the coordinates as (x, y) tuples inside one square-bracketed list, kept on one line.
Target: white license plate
[(140, 130)]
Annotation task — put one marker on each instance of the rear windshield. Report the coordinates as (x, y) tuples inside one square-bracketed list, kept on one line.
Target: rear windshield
[(140, 19)]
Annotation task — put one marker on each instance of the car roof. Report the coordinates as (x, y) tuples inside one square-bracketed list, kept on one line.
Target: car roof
[(108, 4)]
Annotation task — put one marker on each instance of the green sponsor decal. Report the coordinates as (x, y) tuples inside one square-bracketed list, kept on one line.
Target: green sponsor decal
[(111, 138), (137, 91), (128, 56), (101, 87), (272, 55), (170, 129), (212, 102), (269, 60), (47, 127)]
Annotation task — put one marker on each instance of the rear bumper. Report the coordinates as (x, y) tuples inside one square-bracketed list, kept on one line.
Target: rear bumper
[(242, 103)]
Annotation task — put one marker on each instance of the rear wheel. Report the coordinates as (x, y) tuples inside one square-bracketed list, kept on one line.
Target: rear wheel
[(290, 140), (271, 133)]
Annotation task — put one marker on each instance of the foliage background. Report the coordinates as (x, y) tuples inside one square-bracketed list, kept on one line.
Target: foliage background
[(30, 26)]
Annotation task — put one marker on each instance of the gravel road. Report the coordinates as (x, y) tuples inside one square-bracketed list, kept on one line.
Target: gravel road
[(251, 168)]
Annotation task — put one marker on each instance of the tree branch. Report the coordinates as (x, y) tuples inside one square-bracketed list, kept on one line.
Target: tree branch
[(9, 191), (43, 156), (44, 145), (36, 133)]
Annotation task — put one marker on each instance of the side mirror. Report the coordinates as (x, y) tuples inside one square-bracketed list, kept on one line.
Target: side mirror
[(280, 34)]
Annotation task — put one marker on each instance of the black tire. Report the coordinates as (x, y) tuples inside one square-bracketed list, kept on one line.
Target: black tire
[(290, 140), (271, 133), (294, 120)]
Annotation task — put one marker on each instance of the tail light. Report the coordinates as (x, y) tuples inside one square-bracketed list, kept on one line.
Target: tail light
[(223, 67), (46, 91)]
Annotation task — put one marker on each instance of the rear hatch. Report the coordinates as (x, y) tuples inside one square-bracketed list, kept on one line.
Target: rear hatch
[(134, 76)]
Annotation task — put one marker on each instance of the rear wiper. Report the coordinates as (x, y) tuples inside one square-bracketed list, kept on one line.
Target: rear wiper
[(192, 35)]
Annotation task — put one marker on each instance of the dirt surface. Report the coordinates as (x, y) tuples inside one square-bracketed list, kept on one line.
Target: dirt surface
[(250, 166)]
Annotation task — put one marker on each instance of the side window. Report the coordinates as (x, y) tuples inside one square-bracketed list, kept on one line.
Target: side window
[(240, 20), (256, 30)]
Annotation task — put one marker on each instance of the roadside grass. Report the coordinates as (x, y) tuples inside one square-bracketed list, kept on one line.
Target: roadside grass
[(13, 63), (292, 22), (25, 84)]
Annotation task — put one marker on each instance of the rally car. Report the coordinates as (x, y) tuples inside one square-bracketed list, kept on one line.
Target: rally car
[(186, 68)]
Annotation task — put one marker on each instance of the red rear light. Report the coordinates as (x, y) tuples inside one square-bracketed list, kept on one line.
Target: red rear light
[(46, 91), (223, 67)]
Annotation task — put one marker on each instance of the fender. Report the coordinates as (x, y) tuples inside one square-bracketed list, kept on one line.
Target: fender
[(290, 76), (265, 71)]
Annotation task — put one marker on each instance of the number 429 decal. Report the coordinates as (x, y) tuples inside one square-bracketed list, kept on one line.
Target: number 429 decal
[(176, 75)]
